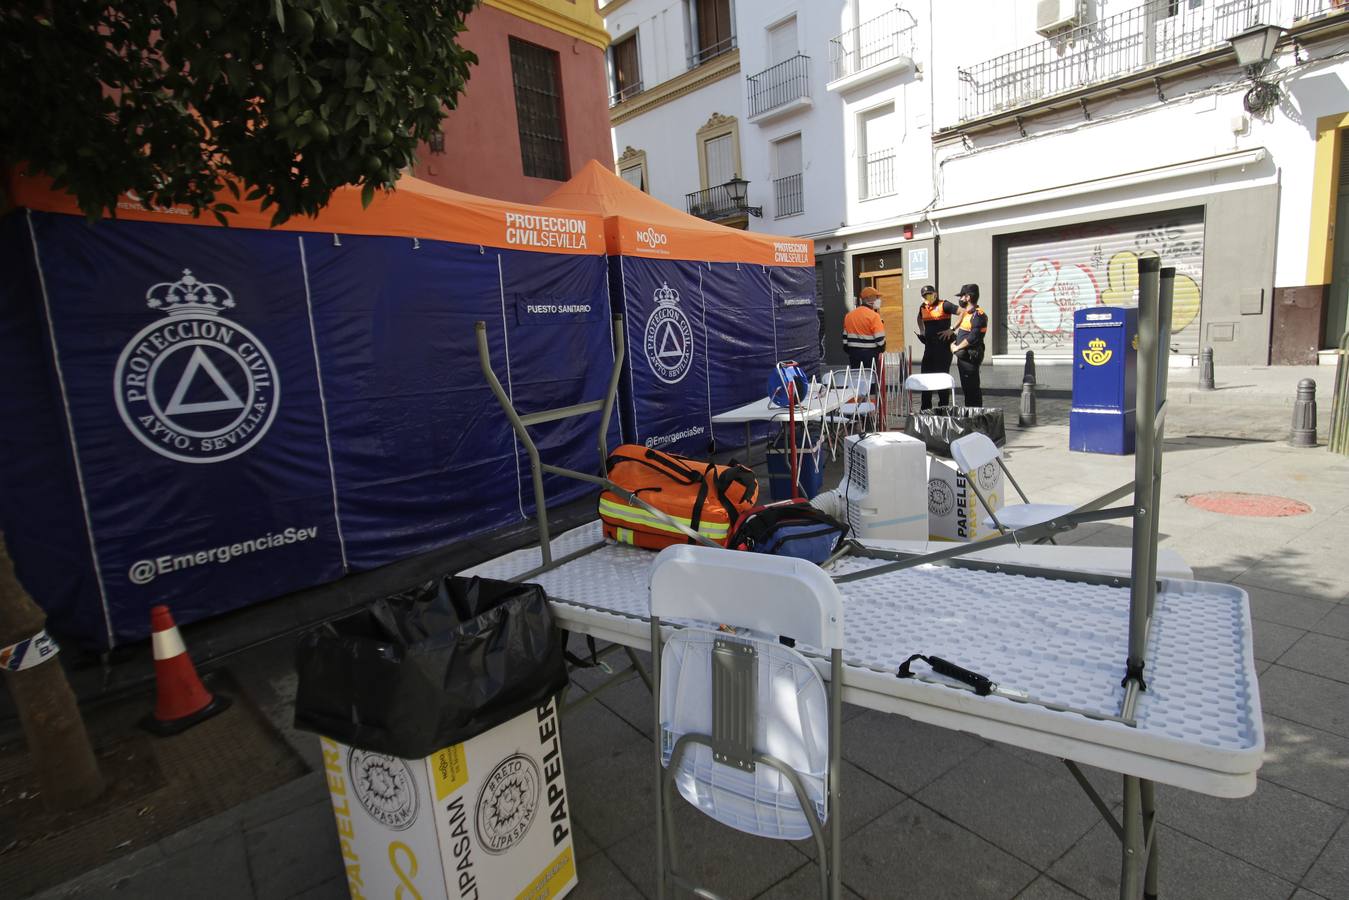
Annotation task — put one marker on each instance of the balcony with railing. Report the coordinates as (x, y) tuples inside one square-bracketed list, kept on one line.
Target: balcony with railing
[(878, 174), (714, 204), (631, 90), (711, 51), (780, 90), (1157, 34), (879, 47), (788, 198), (1318, 9)]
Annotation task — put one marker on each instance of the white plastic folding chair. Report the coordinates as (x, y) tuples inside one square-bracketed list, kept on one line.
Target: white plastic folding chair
[(858, 411), (749, 732), (922, 382), (973, 452), (896, 370)]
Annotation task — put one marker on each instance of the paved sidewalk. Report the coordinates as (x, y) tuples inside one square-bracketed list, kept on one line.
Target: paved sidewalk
[(928, 813)]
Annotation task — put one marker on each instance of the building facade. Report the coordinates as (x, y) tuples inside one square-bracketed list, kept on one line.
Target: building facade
[(534, 109), (1038, 149)]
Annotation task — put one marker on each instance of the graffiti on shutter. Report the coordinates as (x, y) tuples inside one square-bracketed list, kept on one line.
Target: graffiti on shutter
[(1048, 275)]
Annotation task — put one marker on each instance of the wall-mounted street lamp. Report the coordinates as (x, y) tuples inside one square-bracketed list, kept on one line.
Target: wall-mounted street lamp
[(738, 189), (1255, 48)]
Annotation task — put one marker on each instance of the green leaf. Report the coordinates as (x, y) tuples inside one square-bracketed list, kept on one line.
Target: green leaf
[(367, 194), (362, 37), (278, 9)]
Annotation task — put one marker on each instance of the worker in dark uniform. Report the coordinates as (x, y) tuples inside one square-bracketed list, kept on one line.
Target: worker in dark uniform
[(935, 334), (864, 330), (968, 346)]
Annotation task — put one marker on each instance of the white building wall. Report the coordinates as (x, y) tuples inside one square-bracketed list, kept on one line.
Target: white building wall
[(820, 126), (1201, 117)]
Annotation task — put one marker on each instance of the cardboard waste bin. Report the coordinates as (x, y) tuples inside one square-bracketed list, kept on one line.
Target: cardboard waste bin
[(954, 513), (437, 716), (485, 818)]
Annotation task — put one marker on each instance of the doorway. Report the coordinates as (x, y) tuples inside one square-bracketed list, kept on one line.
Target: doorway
[(1337, 300), (884, 272)]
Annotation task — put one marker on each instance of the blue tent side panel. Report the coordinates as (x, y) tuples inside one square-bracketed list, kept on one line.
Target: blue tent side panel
[(797, 319), (423, 453), (667, 391), (40, 510), (190, 379), (559, 319)]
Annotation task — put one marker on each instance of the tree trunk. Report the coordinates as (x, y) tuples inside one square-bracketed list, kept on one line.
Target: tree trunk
[(57, 741)]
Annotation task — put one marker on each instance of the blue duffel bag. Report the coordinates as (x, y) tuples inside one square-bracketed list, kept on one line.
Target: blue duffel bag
[(792, 528)]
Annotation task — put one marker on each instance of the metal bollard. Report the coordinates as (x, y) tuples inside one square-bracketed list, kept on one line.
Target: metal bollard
[(1206, 369), (1027, 418), (1304, 415), (1028, 373)]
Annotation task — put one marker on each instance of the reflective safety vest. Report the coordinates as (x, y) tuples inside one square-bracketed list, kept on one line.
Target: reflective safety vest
[(935, 318), (933, 312), (967, 320), (864, 330)]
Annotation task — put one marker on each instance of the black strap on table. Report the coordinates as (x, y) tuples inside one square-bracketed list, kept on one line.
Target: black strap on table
[(982, 684), (1133, 670)]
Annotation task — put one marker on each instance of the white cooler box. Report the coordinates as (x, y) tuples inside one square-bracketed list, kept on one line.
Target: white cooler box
[(954, 513), (486, 818)]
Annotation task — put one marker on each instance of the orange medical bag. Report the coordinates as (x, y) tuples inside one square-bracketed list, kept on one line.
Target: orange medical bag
[(703, 496)]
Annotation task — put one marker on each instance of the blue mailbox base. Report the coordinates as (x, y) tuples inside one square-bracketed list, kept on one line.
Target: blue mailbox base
[(1101, 431)]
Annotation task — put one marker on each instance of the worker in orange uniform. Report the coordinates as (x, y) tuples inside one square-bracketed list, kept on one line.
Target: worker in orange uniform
[(969, 344), (935, 334), (864, 331)]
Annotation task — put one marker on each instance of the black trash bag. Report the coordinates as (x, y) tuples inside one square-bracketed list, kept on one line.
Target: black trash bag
[(939, 426), (431, 666)]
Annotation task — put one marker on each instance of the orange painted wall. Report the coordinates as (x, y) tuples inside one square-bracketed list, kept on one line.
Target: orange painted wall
[(482, 140)]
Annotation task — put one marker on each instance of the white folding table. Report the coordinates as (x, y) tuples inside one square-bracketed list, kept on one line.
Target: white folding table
[(1151, 677), (823, 401)]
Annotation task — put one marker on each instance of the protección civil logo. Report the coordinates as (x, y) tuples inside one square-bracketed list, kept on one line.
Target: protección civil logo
[(195, 387), (669, 337)]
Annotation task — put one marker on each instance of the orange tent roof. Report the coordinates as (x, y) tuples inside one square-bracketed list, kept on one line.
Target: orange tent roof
[(416, 209), (637, 224)]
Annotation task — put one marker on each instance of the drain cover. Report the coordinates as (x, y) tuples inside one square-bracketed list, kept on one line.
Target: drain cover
[(1235, 503)]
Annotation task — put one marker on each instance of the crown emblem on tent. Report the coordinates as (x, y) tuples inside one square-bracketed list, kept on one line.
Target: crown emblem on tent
[(188, 295), (666, 294)]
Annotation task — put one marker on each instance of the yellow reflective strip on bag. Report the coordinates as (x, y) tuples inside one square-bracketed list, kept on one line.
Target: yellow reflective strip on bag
[(623, 535), (638, 516)]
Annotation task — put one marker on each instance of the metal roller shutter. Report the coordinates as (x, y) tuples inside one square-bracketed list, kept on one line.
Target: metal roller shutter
[(1047, 275)]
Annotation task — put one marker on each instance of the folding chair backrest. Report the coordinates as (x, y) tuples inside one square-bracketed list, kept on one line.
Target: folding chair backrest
[(973, 451), (784, 713), (775, 595), (930, 381)]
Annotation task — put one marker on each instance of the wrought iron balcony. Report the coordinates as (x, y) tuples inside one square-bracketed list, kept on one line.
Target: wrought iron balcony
[(1154, 34), (1316, 9), (711, 51), (778, 86), (788, 199), (886, 39), (878, 174), (713, 204), (631, 90)]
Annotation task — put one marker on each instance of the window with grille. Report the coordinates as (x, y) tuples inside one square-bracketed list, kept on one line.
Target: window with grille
[(627, 70), (538, 109), (633, 175)]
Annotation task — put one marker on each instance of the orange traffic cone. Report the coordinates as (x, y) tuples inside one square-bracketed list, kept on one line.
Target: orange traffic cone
[(183, 700)]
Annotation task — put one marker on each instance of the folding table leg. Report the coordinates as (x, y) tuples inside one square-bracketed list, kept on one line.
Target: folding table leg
[(1132, 846), (1149, 797)]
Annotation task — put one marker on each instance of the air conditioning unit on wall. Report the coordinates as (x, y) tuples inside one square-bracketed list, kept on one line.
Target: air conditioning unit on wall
[(1057, 16)]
